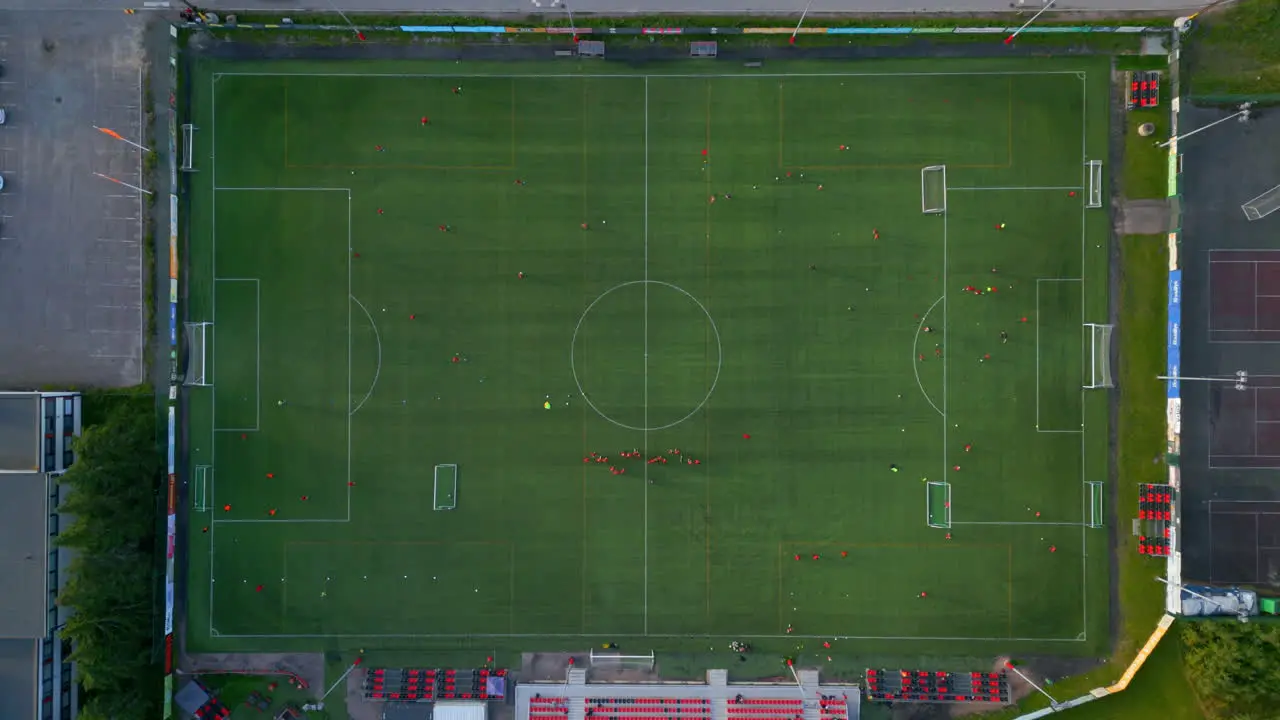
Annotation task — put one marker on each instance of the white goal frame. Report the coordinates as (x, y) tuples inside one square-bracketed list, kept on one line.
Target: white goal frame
[(928, 505), (1094, 198), (450, 500), (925, 206), (201, 479), (617, 659), (1263, 205), (188, 147), (196, 330), (1100, 375), (1097, 504)]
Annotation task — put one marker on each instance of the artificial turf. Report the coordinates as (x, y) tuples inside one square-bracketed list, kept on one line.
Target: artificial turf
[(388, 296)]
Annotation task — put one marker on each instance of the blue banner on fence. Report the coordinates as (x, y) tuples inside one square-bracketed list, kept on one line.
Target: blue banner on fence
[(173, 325), (1175, 331)]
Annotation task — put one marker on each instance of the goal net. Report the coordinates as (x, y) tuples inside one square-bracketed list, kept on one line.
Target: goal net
[(938, 504), (197, 349), (188, 147), (445, 494), (200, 483), (1094, 199), (933, 189), (1263, 205), (610, 658), (1099, 356), (1095, 504)]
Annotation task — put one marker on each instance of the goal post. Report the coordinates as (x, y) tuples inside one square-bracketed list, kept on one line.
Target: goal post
[(444, 495), (933, 189), (618, 660), (197, 353), (188, 147), (1094, 198), (1095, 504), (1263, 205), (1099, 356), (200, 491), (938, 504)]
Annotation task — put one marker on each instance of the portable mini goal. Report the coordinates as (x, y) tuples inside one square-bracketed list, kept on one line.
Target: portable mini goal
[(200, 482), (444, 496), (1094, 198), (197, 336), (1099, 356), (1263, 205), (704, 49), (618, 660), (591, 48), (188, 147), (933, 190), (1095, 504), (938, 504)]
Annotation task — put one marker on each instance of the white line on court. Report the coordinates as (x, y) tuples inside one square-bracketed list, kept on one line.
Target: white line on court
[(576, 76), (646, 354), (1005, 189), (1084, 518), (213, 319), (1078, 638)]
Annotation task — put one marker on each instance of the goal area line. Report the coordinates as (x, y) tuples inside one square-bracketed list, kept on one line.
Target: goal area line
[(641, 636)]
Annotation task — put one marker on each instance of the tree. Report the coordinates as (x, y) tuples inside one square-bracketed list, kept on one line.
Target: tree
[(1235, 667), (111, 496)]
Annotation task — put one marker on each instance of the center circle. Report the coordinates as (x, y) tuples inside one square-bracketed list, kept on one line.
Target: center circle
[(646, 355)]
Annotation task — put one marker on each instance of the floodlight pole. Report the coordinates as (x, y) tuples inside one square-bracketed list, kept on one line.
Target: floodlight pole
[(338, 682), (354, 29), (1052, 702), (121, 182), (1009, 40), (794, 674), (1244, 110), (573, 26), (1183, 588), (802, 16), (1240, 380)]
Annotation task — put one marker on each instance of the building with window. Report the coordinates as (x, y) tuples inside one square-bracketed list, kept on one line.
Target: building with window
[(37, 680)]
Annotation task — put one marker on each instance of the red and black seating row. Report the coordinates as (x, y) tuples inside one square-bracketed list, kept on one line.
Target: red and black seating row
[(936, 686)]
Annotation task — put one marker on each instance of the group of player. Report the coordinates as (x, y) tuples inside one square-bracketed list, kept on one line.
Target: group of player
[(634, 454)]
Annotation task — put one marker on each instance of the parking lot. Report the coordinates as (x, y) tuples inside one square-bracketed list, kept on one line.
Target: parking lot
[(71, 256)]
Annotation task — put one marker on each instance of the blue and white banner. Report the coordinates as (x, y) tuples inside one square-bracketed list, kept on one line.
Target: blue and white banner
[(1175, 333)]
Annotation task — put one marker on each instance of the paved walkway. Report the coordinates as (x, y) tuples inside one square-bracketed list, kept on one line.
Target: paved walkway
[(717, 689)]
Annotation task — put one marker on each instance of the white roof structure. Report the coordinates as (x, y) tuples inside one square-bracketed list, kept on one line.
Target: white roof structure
[(460, 710)]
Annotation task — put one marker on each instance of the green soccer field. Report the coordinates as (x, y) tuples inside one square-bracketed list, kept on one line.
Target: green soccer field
[(651, 353)]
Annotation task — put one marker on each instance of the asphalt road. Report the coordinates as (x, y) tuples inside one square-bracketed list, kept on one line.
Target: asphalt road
[(648, 7)]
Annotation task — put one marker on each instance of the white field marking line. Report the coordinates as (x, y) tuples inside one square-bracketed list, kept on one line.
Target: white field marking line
[(347, 190), (1257, 549), (946, 360), (828, 636), (257, 416), (646, 354), (1084, 518), (1001, 522), (1005, 189), (1255, 420), (1244, 342), (568, 76), (142, 266), (213, 318), (915, 364), (378, 338), (1255, 296)]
